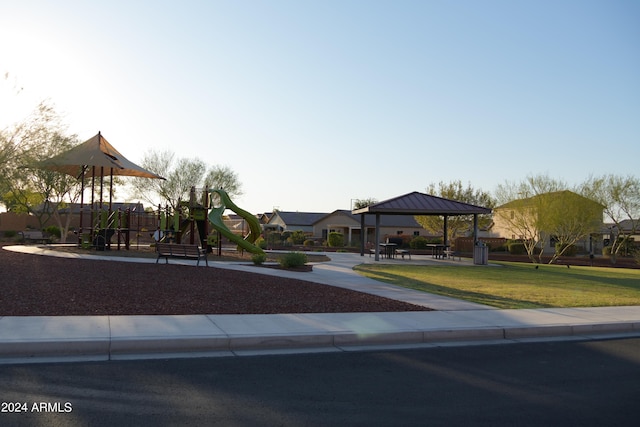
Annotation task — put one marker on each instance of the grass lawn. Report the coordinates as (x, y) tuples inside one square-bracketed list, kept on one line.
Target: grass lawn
[(517, 285)]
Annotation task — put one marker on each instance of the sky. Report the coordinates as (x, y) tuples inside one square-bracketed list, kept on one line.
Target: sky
[(317, 103)]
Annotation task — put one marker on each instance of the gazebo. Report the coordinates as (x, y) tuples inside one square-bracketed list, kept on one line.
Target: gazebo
[(416, 203)]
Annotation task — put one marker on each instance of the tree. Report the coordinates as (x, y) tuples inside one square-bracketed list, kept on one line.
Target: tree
[(457, 226), (27, 188), (568, 219), (222, 177), (620, 197), (363, 203), (521, 211), (541, 208), (181, 175)]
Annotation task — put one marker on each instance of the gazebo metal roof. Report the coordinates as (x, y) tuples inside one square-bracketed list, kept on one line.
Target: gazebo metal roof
[(417, 203)]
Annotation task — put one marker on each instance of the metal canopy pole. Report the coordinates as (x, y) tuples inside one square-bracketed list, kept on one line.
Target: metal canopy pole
[(362, 235), (445, 237), (377, 243)]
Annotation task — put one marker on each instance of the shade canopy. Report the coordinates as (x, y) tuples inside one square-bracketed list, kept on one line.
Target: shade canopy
[(95, 152), (416, 203)]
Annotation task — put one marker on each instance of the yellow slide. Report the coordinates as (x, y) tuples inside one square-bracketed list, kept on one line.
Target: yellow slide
[(215, 218)]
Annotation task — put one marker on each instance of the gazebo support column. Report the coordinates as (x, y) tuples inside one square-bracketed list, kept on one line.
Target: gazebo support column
[(363, 236), (377, 240), (475, 229), (445, 237)]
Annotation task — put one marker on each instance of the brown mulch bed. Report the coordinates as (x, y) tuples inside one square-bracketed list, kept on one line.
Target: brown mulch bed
[(33, 285)]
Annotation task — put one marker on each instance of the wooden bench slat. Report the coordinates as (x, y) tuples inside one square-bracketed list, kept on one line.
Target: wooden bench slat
[(177, 250)]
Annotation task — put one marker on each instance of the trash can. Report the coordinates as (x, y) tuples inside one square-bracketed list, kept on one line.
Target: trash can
[(99, 242), (481, 254)]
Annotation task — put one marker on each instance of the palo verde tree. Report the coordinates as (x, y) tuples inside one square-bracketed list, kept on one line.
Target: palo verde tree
[(223, 178), (520, 211), (181, 175), (460, 225), (28, 188), (569, 218), (541, 208)]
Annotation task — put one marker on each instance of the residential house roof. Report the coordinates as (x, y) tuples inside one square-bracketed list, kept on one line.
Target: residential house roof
[(385, 221), (292, 219)]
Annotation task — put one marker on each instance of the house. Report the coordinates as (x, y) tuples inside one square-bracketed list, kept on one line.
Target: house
[(318, 225), (348, 224), (293, 221), (517, 219), (626, 227)]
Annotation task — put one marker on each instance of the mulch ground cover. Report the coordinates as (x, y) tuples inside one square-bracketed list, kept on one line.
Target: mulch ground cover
[(35, 285)]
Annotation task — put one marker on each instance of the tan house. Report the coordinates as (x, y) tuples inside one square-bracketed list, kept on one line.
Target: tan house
[(318, 225)]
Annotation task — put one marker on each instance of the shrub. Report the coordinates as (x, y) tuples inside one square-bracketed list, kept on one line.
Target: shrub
[(274, 239), (309, 242), (10, 233), (570, 250), (258, 259), (517, 249), (418, 242), (606, 251), (335, 239), (52, 230), (298, 237), (261, 243), (293, 259)]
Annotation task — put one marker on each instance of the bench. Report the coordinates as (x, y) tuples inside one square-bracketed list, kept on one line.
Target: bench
[(452, 254), (403, 252), (175, 250), (35, 237)]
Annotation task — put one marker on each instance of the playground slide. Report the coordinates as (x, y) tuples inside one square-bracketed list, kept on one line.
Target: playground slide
[(215, 218)]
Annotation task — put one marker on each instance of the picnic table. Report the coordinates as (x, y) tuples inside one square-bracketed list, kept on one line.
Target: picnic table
[(438, 249)]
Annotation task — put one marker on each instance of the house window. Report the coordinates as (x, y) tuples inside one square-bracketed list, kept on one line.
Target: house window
[(416, 233), (399, 232)]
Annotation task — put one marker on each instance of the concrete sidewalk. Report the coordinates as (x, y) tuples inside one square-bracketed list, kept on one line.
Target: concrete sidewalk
[(71, 338)]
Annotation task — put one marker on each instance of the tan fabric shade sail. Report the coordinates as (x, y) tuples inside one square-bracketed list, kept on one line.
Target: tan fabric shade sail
[(95, 152), (95, 158)]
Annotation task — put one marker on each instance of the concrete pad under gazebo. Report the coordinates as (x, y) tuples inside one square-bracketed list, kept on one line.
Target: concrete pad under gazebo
[(416, 203)]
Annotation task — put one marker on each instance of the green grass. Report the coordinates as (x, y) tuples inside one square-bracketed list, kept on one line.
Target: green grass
[(517, 285)]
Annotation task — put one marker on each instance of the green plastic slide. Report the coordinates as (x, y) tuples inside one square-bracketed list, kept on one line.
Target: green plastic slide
[(215, 218)]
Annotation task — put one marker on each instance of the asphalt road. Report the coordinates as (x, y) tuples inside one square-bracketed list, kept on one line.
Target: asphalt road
[(593, 383)]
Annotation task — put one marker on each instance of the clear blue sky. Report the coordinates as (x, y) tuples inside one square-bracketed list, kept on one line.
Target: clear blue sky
[(316, 103)]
